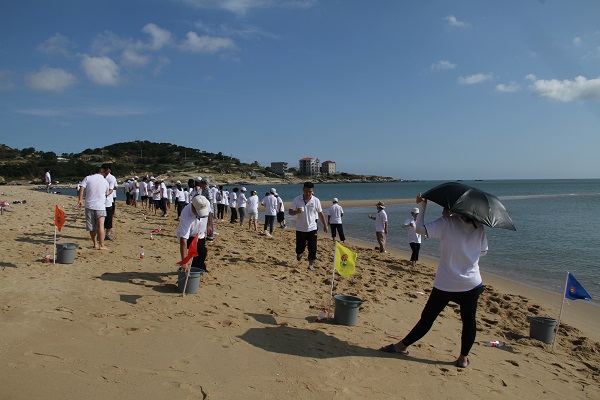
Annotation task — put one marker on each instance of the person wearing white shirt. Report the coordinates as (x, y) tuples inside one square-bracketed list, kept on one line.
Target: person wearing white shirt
[(463, 242), (280, 212), (334, 219), (270, 203), (193, 222), (110, 201), (213, 192), (180, 199), (307, 208), (233, 205), (156, 197), (381, 226), (414, 239), (163, 197), (96, 192), (241, 205), (144, 192), (134, 190), (48, 180), (252, 206), (221, 198)]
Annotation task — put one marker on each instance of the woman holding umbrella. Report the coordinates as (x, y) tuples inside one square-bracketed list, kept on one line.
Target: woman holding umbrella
[(457, 279)]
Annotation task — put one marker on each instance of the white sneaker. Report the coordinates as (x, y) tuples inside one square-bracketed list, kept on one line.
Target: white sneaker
[(310, 267)]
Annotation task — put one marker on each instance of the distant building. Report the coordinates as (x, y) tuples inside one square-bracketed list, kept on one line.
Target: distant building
[(309, 166), (328, 168), (280, 168)]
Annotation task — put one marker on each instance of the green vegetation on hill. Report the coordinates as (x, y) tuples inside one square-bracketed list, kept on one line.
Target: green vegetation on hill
[(135, 158)]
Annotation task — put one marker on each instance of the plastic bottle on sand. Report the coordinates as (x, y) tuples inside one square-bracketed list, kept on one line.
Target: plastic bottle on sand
[(142, 253), (47, 257), (322, 315), (495, 343)]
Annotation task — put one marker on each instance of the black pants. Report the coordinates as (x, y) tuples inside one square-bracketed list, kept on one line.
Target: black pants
[(220, 211), (199, 260), (233, 215), (438, 300), (108, 221), (163, 205), (415, 247), (269, 222), (180, 206), (307, 238), (340, 229)]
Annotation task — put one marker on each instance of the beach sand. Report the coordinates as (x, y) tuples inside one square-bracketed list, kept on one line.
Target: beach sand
[(113, 326)]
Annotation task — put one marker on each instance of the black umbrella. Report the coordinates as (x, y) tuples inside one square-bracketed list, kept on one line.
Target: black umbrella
[(472, 203)]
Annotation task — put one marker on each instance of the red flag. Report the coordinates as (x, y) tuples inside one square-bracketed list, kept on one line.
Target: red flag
[(59, 218), (192, 251)]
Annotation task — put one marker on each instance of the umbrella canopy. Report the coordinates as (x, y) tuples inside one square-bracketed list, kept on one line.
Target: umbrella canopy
[(471, 202)]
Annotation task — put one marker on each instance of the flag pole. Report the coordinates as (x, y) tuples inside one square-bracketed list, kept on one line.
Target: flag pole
[(562, 304), (187, 276), (54, 247), (332, 279)]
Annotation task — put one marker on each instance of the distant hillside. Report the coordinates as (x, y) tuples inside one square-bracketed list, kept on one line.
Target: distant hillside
[(133, 158)]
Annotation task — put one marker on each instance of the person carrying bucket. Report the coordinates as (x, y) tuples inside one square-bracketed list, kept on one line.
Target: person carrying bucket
[(194, 221)]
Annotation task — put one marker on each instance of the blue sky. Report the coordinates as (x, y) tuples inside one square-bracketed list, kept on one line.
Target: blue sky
[(409, 89)]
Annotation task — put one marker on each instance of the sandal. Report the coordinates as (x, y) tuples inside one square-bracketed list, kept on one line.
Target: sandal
[(390, 348)]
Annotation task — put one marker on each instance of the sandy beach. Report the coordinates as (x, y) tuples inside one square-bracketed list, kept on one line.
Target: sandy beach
[(113, 326)]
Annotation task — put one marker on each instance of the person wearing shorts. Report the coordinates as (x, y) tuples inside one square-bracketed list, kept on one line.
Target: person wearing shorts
[(96, 189), (252, 210)]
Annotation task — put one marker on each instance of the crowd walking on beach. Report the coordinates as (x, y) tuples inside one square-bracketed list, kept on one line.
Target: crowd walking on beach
[(463, 240)]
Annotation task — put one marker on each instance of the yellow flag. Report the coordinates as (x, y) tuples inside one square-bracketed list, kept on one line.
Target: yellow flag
[(345, 261)]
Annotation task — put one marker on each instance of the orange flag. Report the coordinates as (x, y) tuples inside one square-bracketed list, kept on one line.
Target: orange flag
[(59, 218), (192, 251)]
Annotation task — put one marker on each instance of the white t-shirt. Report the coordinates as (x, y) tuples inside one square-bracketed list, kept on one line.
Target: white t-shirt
[(252, 205), (306, 221), (163, 190), (48, 179), (96, 189), (270, 203), (461, 247), (180, 195), (241, 200), (232, 199), (280, 206), (380, 220), (112, 184), (190, 224), (135, 186), (413, 236), (213, 192), (335, 213), (156, 192)]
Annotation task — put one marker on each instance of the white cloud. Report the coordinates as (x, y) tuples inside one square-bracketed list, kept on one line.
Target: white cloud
[(568, 90), (160, 37), (56, 44), (577, 42), (6, 81), (101, 70), (508, 88), (132, 58), (454, 22), (474, 79), (51, 80), (241, 7), (443, 65), (530, 77), (206, 44)]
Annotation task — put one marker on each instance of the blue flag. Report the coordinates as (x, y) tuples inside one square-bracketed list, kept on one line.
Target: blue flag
[(574, 290)]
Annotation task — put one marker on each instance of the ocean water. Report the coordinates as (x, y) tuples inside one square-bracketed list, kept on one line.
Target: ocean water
[(558, 225)]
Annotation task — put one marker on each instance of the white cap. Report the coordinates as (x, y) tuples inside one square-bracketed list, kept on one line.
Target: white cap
[(243, 189), (415, 210), (198, 178), (273, 191), (201, 205), (178, 183), (335, 200), (135, 177)]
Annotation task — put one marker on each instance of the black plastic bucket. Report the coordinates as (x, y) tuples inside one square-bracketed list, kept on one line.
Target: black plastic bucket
[(193, 283), (346, 309), (541, 328), (65, 252)]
